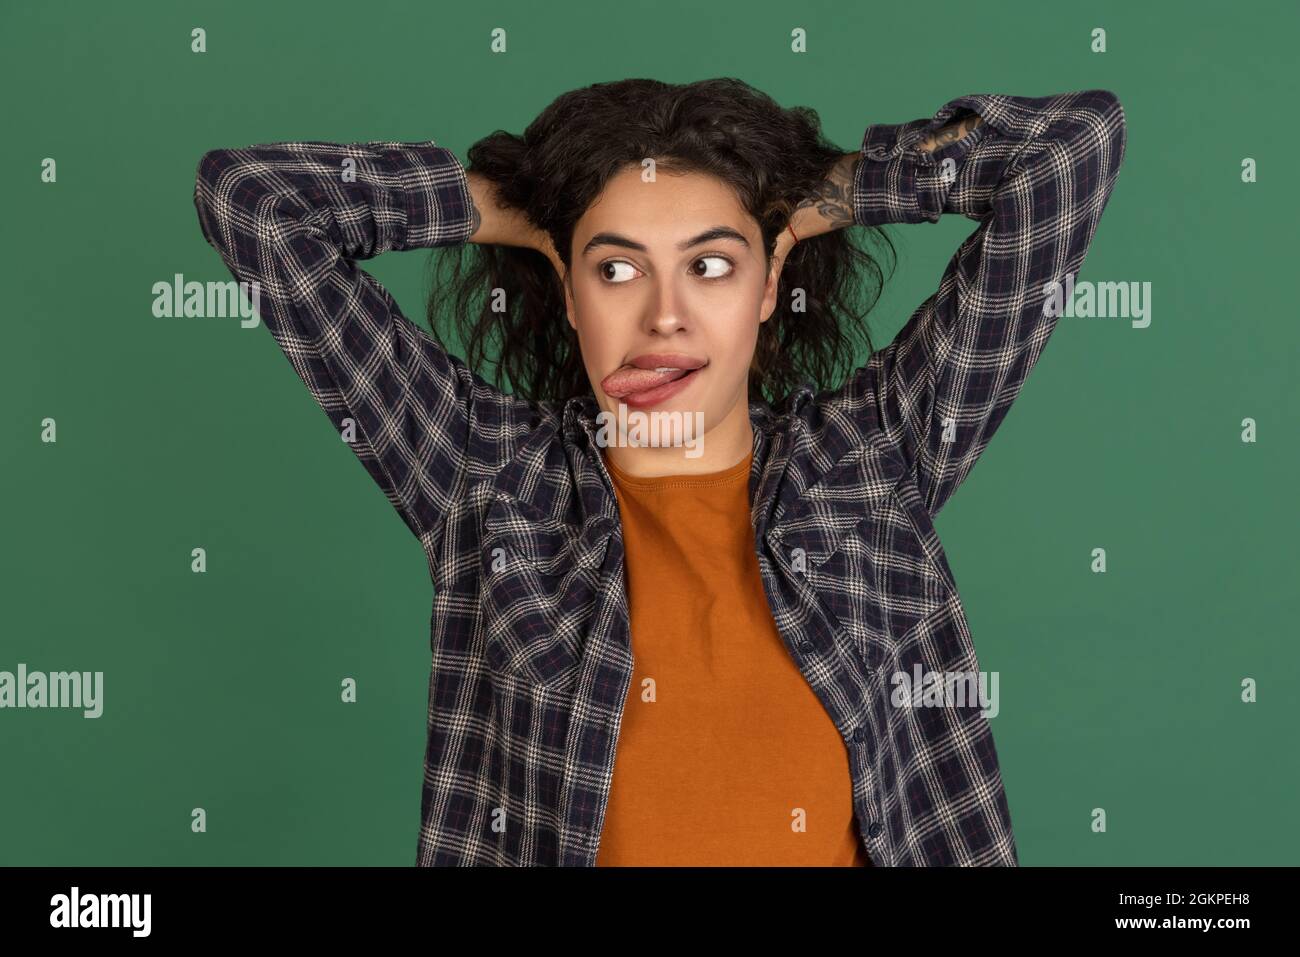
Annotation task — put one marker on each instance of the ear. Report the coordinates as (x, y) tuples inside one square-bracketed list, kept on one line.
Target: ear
[(768, 305), (567, 284)]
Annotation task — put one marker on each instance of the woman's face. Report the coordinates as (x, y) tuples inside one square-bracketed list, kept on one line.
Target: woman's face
[(670, 275)]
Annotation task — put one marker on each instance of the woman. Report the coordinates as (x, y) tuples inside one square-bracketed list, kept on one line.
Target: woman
[(682, 652)]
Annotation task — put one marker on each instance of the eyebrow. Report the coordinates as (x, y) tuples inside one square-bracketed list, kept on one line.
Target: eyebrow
[(614, 239)]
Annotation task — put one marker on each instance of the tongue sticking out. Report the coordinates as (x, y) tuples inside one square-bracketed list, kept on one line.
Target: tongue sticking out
[(629, 380)]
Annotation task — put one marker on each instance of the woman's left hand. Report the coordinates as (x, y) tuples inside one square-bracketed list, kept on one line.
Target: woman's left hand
[(830, 209)]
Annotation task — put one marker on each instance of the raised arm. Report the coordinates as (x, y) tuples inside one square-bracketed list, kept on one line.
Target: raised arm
[(1036, 173), (295, 218)]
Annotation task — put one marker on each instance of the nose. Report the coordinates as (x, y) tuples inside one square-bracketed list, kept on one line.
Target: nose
[(665, 312)]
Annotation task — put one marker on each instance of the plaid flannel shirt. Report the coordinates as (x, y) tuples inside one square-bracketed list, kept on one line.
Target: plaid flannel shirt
[(531, 653)]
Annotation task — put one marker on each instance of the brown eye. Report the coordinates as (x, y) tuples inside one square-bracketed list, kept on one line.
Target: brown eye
[(606, 268), (726, 267)]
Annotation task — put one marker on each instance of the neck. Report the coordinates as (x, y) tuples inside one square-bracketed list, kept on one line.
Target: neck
[(719, 448)]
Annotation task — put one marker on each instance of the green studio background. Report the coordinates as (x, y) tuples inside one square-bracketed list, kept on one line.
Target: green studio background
[(1119, 691)]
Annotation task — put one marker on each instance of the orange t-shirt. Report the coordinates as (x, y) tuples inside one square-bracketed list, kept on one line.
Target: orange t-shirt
[(725, 754)]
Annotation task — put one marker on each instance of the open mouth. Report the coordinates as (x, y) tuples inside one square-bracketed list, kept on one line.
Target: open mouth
[(642, 387)]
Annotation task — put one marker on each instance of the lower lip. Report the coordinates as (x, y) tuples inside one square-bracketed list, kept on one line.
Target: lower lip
[(662, 393)]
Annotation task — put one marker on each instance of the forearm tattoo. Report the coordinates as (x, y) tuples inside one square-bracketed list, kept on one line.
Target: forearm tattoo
[(835, 200), (950, 133)]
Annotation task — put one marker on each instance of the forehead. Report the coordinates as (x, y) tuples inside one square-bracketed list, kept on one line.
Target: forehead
[(671, 206)]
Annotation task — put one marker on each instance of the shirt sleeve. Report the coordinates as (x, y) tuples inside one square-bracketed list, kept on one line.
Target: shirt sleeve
[(295, 218), (1036, 174)]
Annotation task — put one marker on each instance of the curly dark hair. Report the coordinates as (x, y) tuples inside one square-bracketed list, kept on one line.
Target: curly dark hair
[(772, 157)]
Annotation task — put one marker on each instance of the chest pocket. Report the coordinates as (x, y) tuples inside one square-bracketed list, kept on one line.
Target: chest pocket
[(851, 542), (541, 578)]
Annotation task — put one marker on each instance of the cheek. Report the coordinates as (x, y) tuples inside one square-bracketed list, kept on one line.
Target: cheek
[(599, 343), (738, 329), (731, 350)]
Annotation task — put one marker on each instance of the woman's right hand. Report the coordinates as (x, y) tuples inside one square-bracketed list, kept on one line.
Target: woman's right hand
[(502, 225), (547, 249)]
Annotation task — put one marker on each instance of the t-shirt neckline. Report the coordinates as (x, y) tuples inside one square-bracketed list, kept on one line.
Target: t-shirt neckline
[(683, 480)]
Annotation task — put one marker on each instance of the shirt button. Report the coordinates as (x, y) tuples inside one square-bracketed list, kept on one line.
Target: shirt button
[(859, 734), (807, 647), (874, 829)]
